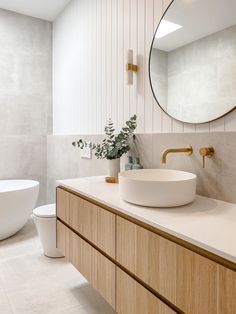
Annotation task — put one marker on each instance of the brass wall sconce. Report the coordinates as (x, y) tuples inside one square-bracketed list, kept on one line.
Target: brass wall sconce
[(206, 152), (131, 68)]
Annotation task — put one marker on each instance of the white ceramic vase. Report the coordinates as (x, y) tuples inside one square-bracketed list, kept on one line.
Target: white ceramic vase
[(113, 167)]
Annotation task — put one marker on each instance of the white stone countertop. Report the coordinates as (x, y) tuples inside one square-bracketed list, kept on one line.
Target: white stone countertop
[(207, 223)]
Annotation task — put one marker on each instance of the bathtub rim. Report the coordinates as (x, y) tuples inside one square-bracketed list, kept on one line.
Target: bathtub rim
[(21, 185)]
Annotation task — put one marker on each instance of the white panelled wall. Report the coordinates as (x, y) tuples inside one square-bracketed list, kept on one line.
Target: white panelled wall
[(90, 43)]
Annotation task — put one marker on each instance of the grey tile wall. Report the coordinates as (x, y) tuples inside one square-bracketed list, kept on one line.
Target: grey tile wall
[(64, 162), (25, 97), (24, 157), (217, 180)]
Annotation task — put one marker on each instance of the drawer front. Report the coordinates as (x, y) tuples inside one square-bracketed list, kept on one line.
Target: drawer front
[(93, 222), (227, 291), (148, 256), (95, 267), (62, 204), (186, 279), (62, 239), (133, 298)]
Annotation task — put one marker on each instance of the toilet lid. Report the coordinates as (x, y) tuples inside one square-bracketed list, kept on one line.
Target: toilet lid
[(46, 211)]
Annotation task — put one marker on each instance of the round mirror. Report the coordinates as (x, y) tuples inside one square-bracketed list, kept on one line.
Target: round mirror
[(192, 63)]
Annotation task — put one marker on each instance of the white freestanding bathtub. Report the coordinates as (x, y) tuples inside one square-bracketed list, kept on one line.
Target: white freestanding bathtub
[(17, 201)]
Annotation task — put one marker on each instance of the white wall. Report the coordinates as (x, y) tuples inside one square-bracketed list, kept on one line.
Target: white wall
[(90, 43)]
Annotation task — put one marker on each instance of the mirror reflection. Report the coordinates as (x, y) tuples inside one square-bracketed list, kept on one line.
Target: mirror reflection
[(193, 60)]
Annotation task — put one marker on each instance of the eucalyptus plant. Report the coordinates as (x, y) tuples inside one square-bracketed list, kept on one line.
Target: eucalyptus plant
[(113, 146)]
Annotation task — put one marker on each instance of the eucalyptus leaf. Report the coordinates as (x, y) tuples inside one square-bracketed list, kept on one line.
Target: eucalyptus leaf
[(113, 146)]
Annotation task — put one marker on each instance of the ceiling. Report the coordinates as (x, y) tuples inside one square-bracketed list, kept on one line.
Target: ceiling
[(43, 9), (199, 19)]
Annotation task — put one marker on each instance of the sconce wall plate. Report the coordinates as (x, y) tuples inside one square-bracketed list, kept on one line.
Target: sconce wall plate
[(132, 67)]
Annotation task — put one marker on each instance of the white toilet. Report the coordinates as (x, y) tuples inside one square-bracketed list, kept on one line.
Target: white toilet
[(45, 220)]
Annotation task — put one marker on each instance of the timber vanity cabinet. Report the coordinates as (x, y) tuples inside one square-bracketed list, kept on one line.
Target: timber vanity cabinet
[(137, 268)]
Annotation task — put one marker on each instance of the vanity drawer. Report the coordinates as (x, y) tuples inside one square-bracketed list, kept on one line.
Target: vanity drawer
[(133, 298), (62, 238), (227, 291), (92, 222), (95, 267), (186, 279)]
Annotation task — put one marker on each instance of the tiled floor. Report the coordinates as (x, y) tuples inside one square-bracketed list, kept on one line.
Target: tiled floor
[(31, 283)]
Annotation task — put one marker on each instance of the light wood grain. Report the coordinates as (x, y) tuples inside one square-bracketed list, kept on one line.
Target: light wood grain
[(91, 221), (80, 255), (79, 217), (103, 229), (196, 283), (191, 282), (185, 278), (62, 238), (163, 234), (62, 204), (104, 277), (133, 298), (98, 270), (148, 256), (126, 243), (95, 267), (227, 291)]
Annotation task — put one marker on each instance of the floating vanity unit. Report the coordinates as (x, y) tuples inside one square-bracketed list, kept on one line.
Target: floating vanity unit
[(149, 260)]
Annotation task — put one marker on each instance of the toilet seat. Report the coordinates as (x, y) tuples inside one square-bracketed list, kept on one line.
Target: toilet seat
[(46, 211)]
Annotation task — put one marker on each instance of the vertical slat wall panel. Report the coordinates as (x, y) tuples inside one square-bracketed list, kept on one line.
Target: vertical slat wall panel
[(90, 43), (141, 65), (89, 76), (230, 122), (78, 30), (127, 36), (120, 70), (201, 128), (134, 47), (109, 58), (217, 125), (177, 126), (114, 62), (83, 68), (94, 68), (189, 128), (98, 68), (104, 117), (148, 40)]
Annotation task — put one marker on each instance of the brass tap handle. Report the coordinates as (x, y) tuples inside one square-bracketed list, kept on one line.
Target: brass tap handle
[(206, 152)]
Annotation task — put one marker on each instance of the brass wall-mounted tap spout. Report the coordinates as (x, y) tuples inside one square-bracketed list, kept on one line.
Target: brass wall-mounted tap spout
[(188, 150)]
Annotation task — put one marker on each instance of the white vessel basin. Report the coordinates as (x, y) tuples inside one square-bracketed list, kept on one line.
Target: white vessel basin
[(157, 187)]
